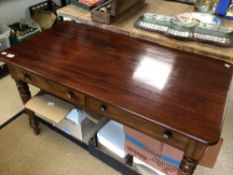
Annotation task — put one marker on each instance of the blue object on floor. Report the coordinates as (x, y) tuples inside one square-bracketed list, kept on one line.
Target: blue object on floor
[(222, 7)]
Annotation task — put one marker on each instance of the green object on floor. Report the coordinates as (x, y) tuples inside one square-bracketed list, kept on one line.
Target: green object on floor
[(21, 32)]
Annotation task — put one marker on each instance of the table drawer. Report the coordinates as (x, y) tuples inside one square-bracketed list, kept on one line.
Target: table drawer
[(131, 120), (56, 89)]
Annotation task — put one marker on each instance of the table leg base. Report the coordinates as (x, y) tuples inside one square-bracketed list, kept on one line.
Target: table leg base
[(33, 122), (188, 166), (25, 95)]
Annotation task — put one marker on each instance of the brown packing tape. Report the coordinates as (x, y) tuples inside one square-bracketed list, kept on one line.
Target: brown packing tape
[(210, 157)]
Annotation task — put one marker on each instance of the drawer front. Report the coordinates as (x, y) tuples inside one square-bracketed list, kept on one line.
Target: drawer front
[(54, 88), (132, 121)]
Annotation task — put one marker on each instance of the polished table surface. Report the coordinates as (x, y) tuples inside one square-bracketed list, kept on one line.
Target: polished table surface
[(177, 90)]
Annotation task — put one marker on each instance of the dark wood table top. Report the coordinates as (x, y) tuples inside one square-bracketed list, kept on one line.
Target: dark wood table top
[(178, 90)]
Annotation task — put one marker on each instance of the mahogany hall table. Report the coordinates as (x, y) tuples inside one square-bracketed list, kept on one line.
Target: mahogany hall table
[(176, 97)]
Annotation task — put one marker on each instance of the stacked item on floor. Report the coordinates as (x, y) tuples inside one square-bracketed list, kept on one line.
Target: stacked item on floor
[(152, 155), (4, 37), (48, 5), (112, 10), (225, 8), (153, 152), (4, 44), (65, 116), (144, 168), (81, 125), (108, 146), (45, 14), (22, 31), (111, 138)]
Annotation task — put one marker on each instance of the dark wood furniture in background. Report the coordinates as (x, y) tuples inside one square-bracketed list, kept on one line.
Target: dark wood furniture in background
[(176, 97)]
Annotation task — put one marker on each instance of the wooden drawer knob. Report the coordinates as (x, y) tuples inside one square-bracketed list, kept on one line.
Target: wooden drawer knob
[(103, 107), (69, 95), (167, 134)]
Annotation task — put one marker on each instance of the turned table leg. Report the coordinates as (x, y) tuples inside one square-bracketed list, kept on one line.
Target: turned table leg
[(25, 95), (188, 166), (193, 154)]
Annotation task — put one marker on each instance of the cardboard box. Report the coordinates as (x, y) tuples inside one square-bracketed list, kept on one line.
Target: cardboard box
[(160, 156), (50, 107), (112, 137), (65, 116), (210, 157), (144, 168), (169, 161), (80, 126), (45, 19), (81, 131)]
